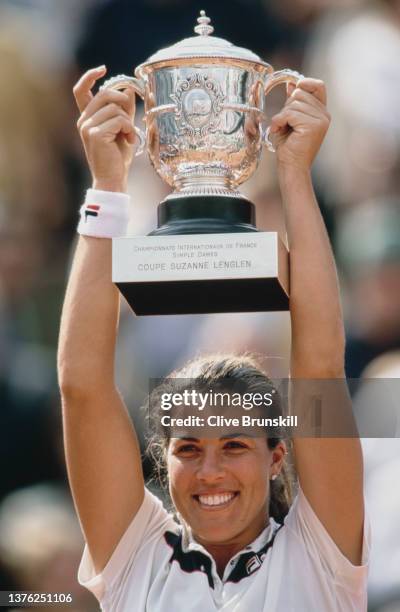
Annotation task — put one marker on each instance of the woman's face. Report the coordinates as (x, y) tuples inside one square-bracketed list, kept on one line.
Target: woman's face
[(220, 486)]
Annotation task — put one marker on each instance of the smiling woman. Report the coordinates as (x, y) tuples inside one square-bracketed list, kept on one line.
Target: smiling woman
[(239, 541), (241, 452)]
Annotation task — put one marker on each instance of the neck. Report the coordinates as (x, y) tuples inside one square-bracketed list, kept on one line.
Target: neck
[(222, 552)]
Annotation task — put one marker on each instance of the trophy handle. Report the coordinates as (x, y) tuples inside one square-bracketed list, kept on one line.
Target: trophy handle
[(121, 82), (277, 78)]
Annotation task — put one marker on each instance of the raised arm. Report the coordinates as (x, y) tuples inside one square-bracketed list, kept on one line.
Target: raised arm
[(330, 469), (102, 452)]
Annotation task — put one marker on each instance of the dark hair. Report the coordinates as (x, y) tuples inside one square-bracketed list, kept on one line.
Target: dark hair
[(245, 376)]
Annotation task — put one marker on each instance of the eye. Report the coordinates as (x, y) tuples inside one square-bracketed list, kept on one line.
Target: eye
[(187, 450), (235, 445)]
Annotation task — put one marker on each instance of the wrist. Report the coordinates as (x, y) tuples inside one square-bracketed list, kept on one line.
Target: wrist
[(297, 171), (295, 177), (104, 214), (110, 185)]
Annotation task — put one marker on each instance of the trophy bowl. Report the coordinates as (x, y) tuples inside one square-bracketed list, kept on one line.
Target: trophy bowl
[(209, 140), (204, 112)]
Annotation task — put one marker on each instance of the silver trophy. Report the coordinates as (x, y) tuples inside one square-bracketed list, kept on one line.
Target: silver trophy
[(205, 130)]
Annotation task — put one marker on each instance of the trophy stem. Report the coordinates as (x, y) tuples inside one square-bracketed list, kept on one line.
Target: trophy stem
[(205, 215)]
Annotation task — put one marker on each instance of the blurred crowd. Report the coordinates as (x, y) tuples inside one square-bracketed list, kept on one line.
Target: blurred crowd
[(354, 46)]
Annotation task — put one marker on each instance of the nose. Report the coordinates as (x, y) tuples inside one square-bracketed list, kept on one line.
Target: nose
[(211, 467)]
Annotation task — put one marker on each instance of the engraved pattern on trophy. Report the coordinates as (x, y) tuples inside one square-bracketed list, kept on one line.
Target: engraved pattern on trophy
[(198, 105)]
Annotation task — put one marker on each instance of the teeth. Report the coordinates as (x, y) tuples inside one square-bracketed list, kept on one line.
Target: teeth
[(215, 500)]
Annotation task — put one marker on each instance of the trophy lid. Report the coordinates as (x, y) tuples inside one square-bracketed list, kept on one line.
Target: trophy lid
[(204, 46)]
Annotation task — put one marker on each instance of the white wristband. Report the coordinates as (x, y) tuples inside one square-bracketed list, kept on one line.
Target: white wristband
[(105, 214)]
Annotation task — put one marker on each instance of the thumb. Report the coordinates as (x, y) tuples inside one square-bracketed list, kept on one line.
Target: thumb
[(290, 87), (130, 92), (278, 122), (131, 137)]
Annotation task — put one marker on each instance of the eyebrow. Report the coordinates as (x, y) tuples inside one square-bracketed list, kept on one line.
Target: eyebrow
[(227, 437)]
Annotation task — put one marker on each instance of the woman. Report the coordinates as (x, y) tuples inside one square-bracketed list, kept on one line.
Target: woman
[(229, 553)]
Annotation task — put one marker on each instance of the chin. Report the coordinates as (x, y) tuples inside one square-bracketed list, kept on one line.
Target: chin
[(215, 529), (215, 534)]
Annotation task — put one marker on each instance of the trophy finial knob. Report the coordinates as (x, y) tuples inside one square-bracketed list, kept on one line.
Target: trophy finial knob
[(203, 29)]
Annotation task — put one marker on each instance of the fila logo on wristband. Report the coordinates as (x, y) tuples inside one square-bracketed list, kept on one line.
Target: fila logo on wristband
[(104, 214), (91, 210)]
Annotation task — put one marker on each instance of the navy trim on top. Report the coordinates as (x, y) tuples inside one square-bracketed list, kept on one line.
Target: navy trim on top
[(196, 561)]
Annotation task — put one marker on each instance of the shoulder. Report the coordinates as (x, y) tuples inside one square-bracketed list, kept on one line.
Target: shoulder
[(138, 547), (305, 539)]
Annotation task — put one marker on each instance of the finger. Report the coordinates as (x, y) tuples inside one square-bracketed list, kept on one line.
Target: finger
[(315, 87), (308, 98), (306, 108), (104, 114), (110, 129), (82, 89), (291, 118), (104, 98), (126, 95)]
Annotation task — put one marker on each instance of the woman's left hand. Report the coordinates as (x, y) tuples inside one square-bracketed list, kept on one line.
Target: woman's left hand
[(300, 127)]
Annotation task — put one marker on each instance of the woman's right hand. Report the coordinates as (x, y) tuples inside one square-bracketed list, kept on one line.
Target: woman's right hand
[(107, 131)]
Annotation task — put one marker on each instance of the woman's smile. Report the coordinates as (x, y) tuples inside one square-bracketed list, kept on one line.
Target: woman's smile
[(216, 501)]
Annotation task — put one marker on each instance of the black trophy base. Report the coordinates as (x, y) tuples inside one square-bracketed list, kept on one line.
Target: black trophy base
[(205, 296), (205, 215), (148, 279)]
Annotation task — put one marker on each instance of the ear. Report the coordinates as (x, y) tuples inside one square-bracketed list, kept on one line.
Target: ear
[(277, 458)]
